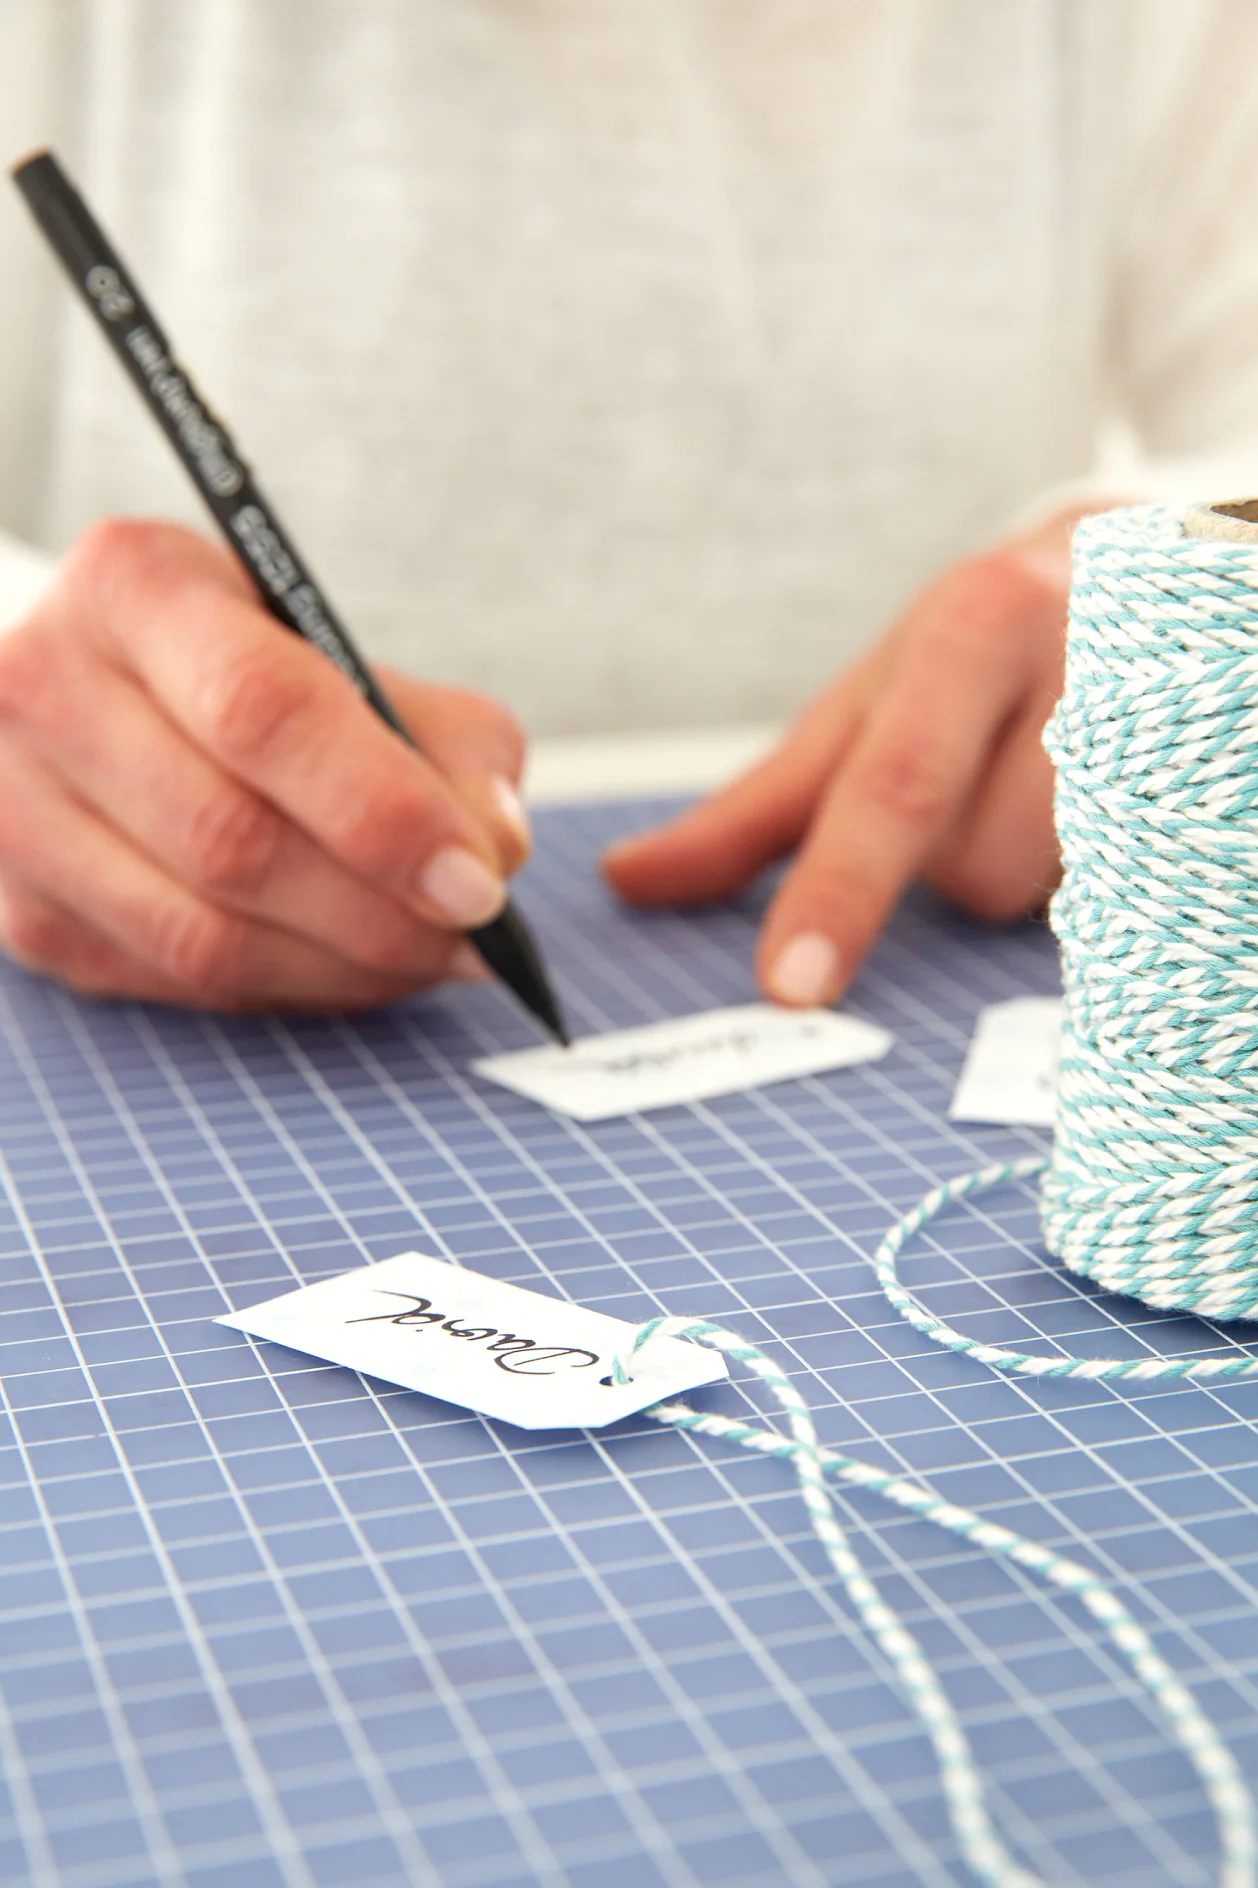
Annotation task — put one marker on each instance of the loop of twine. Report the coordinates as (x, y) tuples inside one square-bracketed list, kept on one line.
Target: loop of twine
[(977, 1837)]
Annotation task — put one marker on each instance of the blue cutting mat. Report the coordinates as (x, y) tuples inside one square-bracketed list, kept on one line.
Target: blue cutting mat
[(262, 1622)]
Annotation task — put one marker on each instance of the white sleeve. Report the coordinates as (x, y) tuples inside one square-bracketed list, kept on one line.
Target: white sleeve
[(1185, 315), (24, 576), (38, 67), (1183, 306)]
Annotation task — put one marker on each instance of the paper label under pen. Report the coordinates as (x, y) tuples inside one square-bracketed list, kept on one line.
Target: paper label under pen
[(517, 1355), (686, 1058)]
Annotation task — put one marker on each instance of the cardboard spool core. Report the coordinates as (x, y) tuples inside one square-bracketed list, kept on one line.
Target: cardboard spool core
[(1235, 520)]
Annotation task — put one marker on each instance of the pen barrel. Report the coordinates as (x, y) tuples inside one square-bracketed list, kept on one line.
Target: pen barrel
[(290, 592), (209, 454)]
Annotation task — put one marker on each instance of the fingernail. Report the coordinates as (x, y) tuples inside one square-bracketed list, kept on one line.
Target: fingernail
[(806, 971), (466, 965), (463, 890), (511, 807)]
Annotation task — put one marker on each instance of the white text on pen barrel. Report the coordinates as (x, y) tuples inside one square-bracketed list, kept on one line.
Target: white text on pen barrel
[(276, 571), (203, 439), (510, 1353)]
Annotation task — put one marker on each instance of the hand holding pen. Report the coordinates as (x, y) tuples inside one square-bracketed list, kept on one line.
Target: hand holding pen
[(195, 808), (198, 809)]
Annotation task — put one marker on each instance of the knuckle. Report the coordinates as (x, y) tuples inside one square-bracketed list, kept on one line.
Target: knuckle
[(249, 702), (119, 564), (200, 950), (232, 843), (112, 557), (905, 779)]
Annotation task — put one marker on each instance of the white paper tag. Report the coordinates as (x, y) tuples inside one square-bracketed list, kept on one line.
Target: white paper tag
[(687, 1058), (1010, 1073), (520, 1356)]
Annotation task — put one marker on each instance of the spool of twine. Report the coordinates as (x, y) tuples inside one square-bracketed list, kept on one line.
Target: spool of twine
[(1152, 1185), (1153, 1181)]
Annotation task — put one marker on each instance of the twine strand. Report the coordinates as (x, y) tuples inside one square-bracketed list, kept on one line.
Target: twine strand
[(1013, 1362), (980, 1843)]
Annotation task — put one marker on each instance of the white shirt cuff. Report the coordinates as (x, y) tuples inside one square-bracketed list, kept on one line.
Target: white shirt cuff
[(1198, 478), (25, 574)]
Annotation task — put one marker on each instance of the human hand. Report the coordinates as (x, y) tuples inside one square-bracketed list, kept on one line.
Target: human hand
[(924, 761), (197, 807)]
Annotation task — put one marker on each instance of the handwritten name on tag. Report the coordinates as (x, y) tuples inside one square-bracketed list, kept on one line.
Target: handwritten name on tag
[(527, 1359), (1010, 1073), (689, 1058)]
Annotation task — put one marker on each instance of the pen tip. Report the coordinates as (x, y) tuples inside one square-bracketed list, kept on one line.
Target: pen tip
[(508, 947), (548, 1013)]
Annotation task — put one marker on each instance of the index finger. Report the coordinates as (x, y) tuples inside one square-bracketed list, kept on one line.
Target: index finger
[(905, 780), (280, 717)]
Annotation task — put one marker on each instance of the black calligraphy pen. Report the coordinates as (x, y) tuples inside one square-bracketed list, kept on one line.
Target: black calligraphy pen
[(226, 483)]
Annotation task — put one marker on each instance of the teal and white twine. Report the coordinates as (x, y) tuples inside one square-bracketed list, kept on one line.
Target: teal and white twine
[(815, 1466), (1152, 1186), (1015, 1362)]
